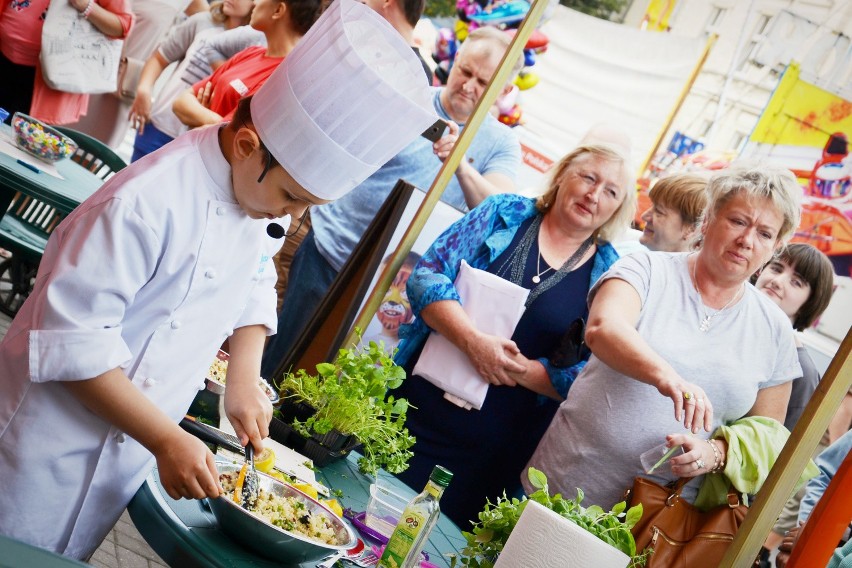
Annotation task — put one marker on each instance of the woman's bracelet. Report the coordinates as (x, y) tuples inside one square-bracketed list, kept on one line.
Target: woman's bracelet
[(718, 461), (89, 7)]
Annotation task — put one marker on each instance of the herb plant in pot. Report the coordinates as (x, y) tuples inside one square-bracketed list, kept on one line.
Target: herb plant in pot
[(552, 531), (350, 398)]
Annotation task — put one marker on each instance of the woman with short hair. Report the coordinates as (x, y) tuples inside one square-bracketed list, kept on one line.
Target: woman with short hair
[(557, 247), (673, 220), (684, 330)]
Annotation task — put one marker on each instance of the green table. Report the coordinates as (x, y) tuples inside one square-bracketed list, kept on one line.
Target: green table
[(63, 194), (16, 554), (185, 533)]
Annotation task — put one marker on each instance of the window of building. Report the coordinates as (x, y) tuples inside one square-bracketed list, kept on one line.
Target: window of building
[(739, 140), (717, 16)]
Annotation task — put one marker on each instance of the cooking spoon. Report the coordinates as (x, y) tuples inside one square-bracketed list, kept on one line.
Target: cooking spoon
[(250, 484)]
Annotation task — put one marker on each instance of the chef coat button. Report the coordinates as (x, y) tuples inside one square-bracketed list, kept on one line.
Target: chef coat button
[(149, 382), (210, 273), (175, 324), (120, 438), (220, 211)]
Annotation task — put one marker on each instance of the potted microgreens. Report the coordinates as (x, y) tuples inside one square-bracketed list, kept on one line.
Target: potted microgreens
[(492, 533), (350, 398)]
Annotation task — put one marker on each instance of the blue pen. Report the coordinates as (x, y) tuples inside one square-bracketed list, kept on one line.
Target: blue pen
[(29, 166)]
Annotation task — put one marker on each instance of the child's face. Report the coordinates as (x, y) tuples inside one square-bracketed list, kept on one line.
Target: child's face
[(276, 195)]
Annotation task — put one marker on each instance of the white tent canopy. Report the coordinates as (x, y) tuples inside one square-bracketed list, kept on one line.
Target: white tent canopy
[(597, 71)]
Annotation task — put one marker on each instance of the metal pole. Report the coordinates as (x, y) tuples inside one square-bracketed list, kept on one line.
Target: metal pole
[(679, 103), (448, 170)]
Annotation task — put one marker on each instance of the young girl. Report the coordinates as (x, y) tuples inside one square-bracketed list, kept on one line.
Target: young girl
[(800, 280)]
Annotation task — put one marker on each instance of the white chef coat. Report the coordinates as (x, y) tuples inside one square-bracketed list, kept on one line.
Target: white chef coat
[(150, 274)]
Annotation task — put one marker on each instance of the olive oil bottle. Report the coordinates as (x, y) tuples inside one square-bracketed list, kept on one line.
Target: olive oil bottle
[(415, 524)]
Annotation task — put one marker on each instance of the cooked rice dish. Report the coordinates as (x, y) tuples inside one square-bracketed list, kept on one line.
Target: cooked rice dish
[(218, 370), (287, 513)]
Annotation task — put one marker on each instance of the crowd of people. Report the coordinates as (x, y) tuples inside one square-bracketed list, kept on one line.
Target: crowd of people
[(690, 341)]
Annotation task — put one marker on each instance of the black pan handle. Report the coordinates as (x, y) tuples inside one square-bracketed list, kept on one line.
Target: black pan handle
[(209, 434)]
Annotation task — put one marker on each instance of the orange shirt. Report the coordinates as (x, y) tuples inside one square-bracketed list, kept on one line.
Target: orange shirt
[(240, 76)]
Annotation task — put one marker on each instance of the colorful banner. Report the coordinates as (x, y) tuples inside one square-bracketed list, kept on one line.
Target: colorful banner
[(807, 129), (797, 122)]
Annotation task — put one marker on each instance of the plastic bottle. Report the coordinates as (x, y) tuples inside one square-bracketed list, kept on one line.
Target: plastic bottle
[(417, 520)]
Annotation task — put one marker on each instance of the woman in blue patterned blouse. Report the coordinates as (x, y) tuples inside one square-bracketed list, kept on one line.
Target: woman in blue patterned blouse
[(557, 246)]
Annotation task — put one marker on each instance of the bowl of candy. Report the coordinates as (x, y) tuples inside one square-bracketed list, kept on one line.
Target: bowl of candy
[(40, 140)]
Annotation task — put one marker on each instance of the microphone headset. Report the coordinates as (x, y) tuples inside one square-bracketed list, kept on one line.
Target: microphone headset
[(276, 231)]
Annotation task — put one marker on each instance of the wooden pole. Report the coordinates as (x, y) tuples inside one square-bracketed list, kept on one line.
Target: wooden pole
[(679, 103), (794, 457), (448, 170)]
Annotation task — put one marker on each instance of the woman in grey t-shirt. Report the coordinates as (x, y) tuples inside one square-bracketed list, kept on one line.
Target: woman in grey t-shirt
[(686, 326)]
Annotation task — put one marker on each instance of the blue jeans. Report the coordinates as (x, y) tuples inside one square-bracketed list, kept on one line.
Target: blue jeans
[(153, 139), (310, 278)]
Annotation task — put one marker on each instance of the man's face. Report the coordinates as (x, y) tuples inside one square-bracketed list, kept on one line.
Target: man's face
[(471, 72)]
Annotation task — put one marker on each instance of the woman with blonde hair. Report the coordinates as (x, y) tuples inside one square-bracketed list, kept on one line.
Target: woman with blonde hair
[(682, 340), (154, 121), (557, 247)]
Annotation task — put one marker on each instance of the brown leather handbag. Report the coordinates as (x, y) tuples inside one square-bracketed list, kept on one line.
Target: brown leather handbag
[(681, 535)]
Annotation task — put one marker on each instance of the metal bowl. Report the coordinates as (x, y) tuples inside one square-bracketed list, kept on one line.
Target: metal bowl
[(267, 539)]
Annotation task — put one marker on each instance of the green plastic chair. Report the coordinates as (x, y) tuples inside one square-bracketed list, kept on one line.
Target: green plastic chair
[(93, 154), (28, 222)]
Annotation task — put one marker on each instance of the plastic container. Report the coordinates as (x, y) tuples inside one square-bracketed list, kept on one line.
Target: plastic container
[(384, 508), (40, 140)]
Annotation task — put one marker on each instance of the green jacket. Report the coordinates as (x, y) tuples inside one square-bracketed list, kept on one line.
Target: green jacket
[(754, 443)]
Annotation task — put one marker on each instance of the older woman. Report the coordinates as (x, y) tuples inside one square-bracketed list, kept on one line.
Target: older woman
[(674, 217), (557, 247), (686, 326)]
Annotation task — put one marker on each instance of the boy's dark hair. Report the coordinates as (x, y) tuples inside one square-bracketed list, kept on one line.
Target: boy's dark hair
[(242, 117), (818, 271), (413, 10), (303, 13)]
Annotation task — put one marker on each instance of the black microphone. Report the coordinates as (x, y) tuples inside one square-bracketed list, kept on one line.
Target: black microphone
[(275, 230)]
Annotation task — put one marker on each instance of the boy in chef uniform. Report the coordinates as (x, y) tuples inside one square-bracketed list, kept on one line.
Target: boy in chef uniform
[(142, 283)]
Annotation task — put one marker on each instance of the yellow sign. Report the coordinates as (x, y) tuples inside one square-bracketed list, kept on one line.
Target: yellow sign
[(657, 15), (801, 114)]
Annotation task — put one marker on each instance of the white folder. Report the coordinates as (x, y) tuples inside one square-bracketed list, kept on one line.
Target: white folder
[(495, 306)]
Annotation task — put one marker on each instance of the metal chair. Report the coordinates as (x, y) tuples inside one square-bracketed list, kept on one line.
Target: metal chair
[(93, 154)]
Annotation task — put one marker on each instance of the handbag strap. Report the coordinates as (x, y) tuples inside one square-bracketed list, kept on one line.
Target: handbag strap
[(733, 496)]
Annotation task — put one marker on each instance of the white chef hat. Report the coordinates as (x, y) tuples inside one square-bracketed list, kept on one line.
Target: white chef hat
[(348, 98)]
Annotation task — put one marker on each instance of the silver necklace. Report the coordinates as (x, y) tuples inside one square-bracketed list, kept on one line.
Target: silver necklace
[(708, 318), (512, 268), (537, 278)]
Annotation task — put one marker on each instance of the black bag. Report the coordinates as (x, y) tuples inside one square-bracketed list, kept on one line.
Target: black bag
[(572, 346)]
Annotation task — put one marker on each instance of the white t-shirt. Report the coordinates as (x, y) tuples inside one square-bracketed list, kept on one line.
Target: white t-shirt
[(609, 419)]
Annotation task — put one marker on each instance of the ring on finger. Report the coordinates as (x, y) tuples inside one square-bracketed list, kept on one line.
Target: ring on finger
[(699, 464), (687, 395)]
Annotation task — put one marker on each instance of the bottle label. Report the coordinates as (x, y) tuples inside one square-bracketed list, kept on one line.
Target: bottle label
[(402, 539)]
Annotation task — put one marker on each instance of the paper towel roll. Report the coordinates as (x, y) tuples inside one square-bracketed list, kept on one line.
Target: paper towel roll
[(543, 539)]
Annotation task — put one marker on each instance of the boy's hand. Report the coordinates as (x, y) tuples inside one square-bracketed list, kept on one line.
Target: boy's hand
[(249, 411), (187, 468)]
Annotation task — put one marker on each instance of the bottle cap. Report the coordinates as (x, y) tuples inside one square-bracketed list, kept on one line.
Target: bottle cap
[(441, 476)]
